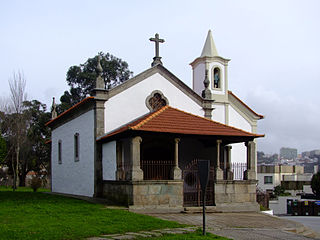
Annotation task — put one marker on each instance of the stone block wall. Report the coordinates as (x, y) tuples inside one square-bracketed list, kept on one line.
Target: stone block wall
[(148, 194), (232, 195), (120, 192)]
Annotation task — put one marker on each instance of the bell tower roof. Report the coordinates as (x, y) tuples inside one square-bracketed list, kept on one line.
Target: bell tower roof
[(209, 48)]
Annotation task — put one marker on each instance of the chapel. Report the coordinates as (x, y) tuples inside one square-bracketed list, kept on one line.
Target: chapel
[(138, 144)]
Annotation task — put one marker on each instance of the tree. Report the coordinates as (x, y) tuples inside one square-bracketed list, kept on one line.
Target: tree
[(37, 151), (315, 184), (17, 89), (81, 79), (3, 150)]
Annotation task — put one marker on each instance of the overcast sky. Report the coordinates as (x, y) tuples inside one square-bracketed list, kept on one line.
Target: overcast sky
[(273, 47)]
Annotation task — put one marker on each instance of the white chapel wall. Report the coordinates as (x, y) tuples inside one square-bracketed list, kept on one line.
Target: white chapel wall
[(218, 113), (198, 78), (74, 177), (109, 161), (130, 104), (239, 150)]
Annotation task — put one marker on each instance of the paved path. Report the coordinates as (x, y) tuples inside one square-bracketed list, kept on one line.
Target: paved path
[(144, 234), (245, 226), (312, 222)]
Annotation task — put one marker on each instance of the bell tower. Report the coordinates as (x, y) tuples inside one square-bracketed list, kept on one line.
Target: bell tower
[(216, 68)]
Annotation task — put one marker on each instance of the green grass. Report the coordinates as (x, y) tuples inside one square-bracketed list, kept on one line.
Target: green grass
[(28, 215)]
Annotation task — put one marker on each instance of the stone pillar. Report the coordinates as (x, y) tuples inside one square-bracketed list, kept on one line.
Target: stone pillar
[(176, 171), (136, 171), (207, 108), (120, 173), (229, 164), (99, 131), (250, 173), (219, 171)]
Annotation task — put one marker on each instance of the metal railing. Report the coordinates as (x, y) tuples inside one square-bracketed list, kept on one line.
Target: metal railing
[(157, 169), (238, 170)]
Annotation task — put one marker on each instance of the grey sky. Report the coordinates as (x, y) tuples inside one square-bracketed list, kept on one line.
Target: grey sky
[(273, 47)]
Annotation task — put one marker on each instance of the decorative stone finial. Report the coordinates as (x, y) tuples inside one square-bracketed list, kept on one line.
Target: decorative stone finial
[(206, 93), (157, 58), (99, 79), (53, 109)]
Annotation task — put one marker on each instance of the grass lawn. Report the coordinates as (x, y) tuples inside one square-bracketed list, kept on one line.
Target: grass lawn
[(28, 215)]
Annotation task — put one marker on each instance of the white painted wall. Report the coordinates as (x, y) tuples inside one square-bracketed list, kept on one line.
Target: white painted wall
[(130, 104), (239, 150), (236, 120), (198, 78), (109, 161), (74, 177), (276, 180), (238, 153), (218, 113), (280, 206), (199, 75)]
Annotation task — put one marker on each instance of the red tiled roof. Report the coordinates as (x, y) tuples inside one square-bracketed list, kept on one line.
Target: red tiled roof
[(172, 120), (68, 110), (260, 116)]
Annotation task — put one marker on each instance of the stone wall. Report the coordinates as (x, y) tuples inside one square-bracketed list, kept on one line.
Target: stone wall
[(151, 194), (120, 192), (233, 195)]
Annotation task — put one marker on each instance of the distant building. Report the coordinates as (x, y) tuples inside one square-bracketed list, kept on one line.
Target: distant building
[(311, 154), (314, 153), (271, 176), (305, 154), (288, 153), (292, 178)]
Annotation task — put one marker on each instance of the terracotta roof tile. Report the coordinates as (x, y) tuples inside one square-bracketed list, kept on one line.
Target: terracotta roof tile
[(172, 120)]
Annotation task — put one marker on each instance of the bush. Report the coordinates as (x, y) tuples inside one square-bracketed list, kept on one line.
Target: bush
[(315, 184), (262, 208), (280, 191), (35, 183)]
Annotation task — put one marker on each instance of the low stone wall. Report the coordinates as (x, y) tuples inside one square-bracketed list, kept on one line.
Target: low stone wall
[(233, 195), (119, 192), (147, 194)]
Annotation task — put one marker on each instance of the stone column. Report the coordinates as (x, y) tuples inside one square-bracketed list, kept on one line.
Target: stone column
[(99, 131), (176, 171), (219, 171), (250, 173), (120, 174), (229, 164), (136, 171)]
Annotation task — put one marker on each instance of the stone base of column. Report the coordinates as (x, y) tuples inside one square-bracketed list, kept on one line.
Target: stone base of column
[(250, 175), (219, 174), (176, 173), (229, 175), (137, 174)]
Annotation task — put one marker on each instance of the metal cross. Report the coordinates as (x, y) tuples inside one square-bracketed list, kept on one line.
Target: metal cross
[(156, 40)]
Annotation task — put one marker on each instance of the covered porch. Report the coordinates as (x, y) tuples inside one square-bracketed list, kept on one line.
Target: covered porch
[(158, 169)]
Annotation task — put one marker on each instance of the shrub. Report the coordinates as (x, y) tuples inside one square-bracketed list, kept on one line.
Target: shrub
[(35, 183), (315, 184), (262, 208), (280, 191)]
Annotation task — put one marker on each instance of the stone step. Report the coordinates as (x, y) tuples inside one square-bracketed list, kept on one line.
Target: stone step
[(209, 209)]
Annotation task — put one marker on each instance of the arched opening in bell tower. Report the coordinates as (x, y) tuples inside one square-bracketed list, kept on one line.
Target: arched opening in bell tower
[(216, 78)]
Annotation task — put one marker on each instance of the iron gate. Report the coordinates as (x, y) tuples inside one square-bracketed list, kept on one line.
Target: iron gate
[(192, 193)]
